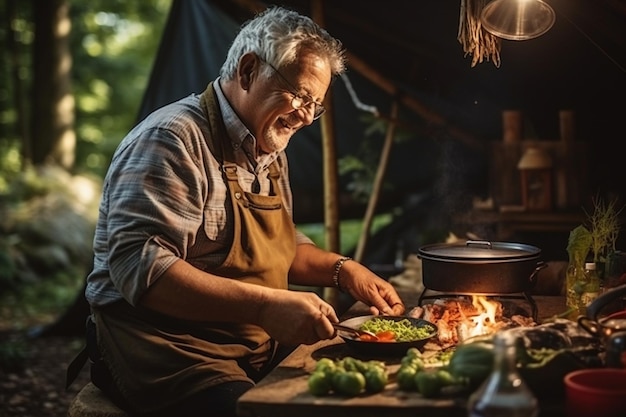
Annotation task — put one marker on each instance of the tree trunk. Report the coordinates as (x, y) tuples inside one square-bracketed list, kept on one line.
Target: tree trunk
[(53, 136), (15, 65)]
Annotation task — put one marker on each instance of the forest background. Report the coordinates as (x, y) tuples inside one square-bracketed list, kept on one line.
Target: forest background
[(72, 80), (72, 77)]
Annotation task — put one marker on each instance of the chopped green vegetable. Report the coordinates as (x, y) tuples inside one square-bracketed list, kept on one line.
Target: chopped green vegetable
[(404, 329)]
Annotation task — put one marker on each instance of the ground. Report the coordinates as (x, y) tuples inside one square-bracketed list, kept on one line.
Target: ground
[(38, 388)]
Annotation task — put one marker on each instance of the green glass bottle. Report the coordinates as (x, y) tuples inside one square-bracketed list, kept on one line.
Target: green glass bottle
[(575, 281), (591, 288)]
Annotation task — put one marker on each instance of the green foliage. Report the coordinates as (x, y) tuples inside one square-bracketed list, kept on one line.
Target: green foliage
[(349, 230), (12, 356), (598, 235), (113, 44), (45, 236), (40, 302), (10, 164), (7, 267), (15, 65), (604, 225), (578, 245), (361, 165)]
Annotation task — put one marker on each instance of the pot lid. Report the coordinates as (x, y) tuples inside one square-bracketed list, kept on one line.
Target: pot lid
[(474, 250)]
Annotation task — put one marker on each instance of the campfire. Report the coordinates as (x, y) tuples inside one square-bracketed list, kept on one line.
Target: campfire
[(461, 318)]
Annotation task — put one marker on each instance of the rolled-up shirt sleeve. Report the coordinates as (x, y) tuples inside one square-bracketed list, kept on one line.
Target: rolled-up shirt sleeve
[(155, 191)]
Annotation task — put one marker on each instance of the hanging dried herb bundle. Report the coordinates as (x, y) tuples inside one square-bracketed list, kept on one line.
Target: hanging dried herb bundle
[(476, 41), (604, 225)]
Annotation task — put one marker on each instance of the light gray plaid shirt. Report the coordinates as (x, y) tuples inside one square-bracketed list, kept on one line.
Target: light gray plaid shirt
[(164, 199)]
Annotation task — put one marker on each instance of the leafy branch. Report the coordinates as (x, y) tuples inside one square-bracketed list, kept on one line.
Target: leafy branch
[(604, 225)]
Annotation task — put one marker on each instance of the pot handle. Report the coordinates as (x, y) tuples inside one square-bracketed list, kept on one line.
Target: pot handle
[(592, 327), (596, 306), (479, 242), (533, 276)]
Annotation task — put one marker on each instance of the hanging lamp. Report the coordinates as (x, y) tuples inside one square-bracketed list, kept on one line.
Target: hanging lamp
[(517, 20)]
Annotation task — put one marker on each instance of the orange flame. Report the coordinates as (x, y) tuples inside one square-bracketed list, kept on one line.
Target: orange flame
[(487, 317)]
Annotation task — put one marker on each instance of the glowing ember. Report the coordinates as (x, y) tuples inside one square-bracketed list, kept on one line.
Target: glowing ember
[(460, 318)]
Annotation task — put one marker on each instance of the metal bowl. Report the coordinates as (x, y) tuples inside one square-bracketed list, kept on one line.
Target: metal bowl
[(385, 348)]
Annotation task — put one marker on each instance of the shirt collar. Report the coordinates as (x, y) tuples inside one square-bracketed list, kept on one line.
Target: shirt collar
[(237, 131), (239, 134)]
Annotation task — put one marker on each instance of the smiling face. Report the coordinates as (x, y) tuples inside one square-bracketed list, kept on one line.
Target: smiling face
[(263, 102)]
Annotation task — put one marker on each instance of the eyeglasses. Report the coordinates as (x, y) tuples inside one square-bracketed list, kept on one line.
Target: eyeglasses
[(298, 101)]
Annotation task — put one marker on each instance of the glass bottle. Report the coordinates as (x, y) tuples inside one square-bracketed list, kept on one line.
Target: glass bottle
[(574, 287), (504, 393), (591, 289)]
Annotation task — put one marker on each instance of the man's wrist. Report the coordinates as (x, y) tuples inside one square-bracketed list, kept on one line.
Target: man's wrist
[(337, 270)]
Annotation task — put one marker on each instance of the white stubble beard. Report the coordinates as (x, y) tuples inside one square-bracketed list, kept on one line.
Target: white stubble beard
[(274, 142)]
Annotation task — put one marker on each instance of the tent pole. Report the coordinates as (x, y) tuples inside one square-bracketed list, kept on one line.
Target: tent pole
[(430, 116), (378, 181), (329, 151)]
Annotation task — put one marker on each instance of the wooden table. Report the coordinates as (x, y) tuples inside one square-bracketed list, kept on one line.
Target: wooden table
[(284, 392)]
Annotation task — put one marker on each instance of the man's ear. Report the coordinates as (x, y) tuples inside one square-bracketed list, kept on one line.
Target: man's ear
[(247, 70)]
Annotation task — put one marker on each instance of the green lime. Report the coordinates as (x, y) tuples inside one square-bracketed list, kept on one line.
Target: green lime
[(413, 361), (375, 380), (406, 378), (376, 364), (350, 363), (445, 377), (319, 383), (349, 383), (428, 384), (413, 352), (325, 364)]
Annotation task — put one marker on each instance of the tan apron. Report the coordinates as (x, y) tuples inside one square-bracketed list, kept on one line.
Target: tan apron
[(156, 360)]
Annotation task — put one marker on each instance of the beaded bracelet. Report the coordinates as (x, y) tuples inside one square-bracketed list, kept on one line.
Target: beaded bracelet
[(338, 266)]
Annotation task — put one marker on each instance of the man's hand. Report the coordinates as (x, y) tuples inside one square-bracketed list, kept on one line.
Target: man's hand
[(297, 317), (365, 286)]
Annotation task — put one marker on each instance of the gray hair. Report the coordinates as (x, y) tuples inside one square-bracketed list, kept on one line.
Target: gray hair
[(277, 35)]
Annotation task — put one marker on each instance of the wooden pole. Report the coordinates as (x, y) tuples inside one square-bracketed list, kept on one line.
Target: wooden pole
[(377, 186), (329, 157)]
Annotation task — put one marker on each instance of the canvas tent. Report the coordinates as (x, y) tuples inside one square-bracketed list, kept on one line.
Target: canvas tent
[(408, 50)]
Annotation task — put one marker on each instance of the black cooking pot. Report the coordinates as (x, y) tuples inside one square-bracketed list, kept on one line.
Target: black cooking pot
[(480, 267)]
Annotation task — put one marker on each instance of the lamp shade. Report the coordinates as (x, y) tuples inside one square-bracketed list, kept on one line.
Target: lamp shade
[(517, 20), (535, 158)]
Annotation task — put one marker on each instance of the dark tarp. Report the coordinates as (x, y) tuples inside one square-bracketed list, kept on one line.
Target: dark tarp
[(194, 44), (578, 65)]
